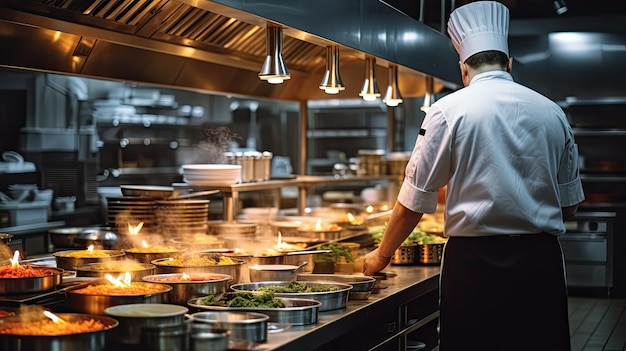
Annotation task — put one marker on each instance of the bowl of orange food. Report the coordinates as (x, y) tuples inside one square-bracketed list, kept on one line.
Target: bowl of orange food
[(71, 259), (188, 286), (25, 278), (96, 296), (38, 332)]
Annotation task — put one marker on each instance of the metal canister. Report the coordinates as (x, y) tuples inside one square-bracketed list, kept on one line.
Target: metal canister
[(247, 160), (262, 165)]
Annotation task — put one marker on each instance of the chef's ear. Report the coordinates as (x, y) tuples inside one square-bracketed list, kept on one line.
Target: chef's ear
[(509, 66)]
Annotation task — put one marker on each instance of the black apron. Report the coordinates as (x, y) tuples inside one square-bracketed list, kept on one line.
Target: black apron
[(503, 293)]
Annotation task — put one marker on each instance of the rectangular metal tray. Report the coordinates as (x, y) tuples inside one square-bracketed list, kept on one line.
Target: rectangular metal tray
[(297, 312)]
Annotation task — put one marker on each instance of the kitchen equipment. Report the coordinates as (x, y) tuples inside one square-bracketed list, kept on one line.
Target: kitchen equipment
[(133, 317), (274, 272), (125, 210), (102, 237), (405, 254), (211, 174), (166, 337), (180, 217), (190, 285), (47, 279), (98, 303), (232, 269), (331, 300), (91, 340), (101, 269), (161, 192), (149, 254), (244, 327), (65, 237), (207, 339), (326, 232), (430, 253), (295, 312), (70, 259), (361, 285), (5, 238)]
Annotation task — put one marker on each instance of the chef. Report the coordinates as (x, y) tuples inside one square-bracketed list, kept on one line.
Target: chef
[(510, 163)]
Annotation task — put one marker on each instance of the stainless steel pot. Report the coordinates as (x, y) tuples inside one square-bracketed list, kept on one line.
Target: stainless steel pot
[(48, 280), (201, 284), (144, 256), (274, 272), (100, 269), (244, 327), (97, 304), (65, 237), (133, 317), (233, 270), (67, 261), (94, 340)]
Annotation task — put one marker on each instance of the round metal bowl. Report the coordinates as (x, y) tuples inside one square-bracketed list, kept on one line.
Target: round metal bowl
[(331, 300), (274, 272), (100, 269), (102, 237), (232, 228), (362, 286), (65, 237), (48, 280), (199, 284), (133, 317), (321, 234), (233, 269), (93, 340), (96, 304), (295, 312), (244, 327), (66, 260)]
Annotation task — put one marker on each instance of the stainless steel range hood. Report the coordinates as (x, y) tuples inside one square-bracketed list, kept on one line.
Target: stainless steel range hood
[(219, 46)]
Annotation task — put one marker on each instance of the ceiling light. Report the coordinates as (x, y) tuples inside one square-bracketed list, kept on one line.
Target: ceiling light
[(274, 70), (560, 7), (331, 83), (370, 91), (393, 97), (429, 95)]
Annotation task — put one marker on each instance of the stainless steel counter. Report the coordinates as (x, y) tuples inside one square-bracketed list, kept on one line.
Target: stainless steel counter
[(381, 307)]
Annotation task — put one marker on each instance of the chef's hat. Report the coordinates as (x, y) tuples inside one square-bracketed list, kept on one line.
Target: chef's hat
[(479, 26)]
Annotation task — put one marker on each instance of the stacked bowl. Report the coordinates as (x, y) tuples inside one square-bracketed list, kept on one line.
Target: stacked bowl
[(211, 174)]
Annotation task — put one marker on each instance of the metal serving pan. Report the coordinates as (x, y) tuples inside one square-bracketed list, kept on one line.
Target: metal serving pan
[(296, 312), (27, 285), (331, 300)]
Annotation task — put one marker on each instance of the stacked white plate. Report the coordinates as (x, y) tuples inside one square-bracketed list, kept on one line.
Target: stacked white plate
[(181, 217), (122, 211), (211, 174)]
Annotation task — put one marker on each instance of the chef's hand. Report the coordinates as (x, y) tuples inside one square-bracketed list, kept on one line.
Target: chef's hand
[(374, 262)]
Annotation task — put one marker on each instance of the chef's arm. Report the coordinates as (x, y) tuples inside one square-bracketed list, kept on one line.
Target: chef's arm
[(401, 223), (569, 211)]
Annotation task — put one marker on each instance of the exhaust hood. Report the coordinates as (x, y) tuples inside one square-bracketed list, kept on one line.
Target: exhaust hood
[(219, 46)]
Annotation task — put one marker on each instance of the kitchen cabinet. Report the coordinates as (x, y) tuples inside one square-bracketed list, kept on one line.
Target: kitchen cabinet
[(304, 184)]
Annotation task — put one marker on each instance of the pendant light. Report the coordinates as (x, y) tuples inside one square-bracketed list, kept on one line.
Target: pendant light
[(393, 96), (274, 70), (370, 91), (331, 83), (429, 95)]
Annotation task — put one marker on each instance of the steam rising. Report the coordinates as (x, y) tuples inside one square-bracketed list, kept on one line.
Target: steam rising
[(217, 142)]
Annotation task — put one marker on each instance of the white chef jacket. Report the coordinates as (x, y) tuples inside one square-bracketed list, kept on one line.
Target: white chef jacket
[(507, 155)]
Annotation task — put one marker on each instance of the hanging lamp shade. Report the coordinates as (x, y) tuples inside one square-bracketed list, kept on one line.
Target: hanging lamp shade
[(331, 83), (370, 91), (392, 96), (429, 95), (274, 70)]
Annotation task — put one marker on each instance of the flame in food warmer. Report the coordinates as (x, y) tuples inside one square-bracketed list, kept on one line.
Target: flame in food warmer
[(238, 251), (354, 220), (90, 249), (144, 244), (122, 281), (318, 224), (15, 260), (185, 277), (134, 230), (54, 317), (369, 209)]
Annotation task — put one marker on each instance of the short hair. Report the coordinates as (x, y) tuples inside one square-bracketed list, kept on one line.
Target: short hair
[(490, 57)]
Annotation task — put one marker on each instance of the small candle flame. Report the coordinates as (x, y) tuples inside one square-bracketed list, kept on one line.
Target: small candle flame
[(15, 260), (350, 217), (144, 243), (54, 317), (122, 281), (90, 248), (185, 276), (318, 224), (239, 251), (279, 242), (134, 230)]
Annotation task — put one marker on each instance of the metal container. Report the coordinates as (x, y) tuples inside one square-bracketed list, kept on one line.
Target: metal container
[(93, 341), (5, 238), (232, 228), (97, 304), (207, 339), (102, 237), (101, 269), (405, 255), (295, 312), (65, 261), (430, 253), (274, 272), (331, 300), (233, 270), (49, 279), (362, 286), (167, 337), (244, 327), (143, 255), (200, 284), (133, 317), (66, 237), (321, 234)]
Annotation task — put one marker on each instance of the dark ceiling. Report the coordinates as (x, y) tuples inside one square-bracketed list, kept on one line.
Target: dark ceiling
[(607, 13)]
